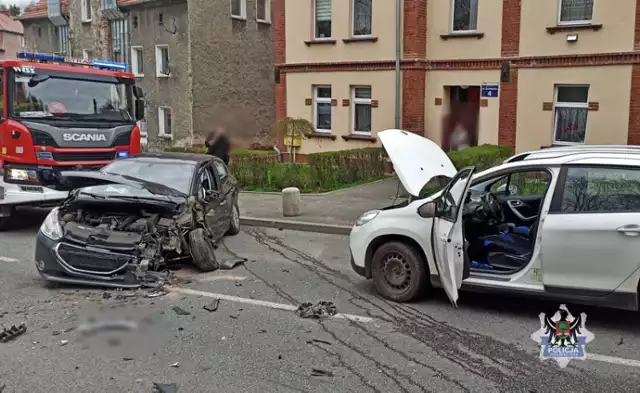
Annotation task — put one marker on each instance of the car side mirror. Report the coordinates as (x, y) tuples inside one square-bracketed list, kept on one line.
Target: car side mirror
[(428, 210)]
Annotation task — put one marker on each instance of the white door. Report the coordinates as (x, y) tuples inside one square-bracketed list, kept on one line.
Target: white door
[(448, 236), (591, 236)]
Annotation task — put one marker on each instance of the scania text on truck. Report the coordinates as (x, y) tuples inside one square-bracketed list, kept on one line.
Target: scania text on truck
[(61, 113)]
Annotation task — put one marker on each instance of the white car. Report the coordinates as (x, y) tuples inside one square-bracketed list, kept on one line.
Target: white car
[(568, 228)]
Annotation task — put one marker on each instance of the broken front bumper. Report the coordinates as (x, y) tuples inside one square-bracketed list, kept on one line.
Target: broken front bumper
[(58, 261)]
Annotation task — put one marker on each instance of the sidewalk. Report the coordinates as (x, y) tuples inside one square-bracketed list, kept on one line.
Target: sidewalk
[(333, 212)]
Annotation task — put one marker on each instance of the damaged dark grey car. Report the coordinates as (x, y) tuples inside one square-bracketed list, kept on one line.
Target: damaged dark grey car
[(135, 217)]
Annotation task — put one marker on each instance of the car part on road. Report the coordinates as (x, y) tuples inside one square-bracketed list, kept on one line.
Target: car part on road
[(213, 306), (180, 311), (165, 387), (14, 331), (92, 327), (322, 309), (316, 372), (398, 271)]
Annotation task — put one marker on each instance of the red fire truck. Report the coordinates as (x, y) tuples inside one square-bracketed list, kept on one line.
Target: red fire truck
[(61, 113)]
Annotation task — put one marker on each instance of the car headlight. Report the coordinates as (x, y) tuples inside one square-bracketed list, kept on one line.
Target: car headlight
[(51, 227), (366, 217), (19, 174)]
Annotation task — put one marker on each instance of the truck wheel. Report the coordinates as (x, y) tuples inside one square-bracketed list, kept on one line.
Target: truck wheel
[(202, 251), (234, 227), (7, 213)]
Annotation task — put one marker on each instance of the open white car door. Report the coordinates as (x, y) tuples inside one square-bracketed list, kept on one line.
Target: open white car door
[(448, 239)]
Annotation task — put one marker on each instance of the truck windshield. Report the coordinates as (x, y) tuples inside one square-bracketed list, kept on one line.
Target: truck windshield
[(48, 96)]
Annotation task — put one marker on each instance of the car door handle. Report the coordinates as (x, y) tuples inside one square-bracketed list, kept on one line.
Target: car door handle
[(630, 230)]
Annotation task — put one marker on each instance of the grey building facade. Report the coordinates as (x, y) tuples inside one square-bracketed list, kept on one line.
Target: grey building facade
[(201, 63)]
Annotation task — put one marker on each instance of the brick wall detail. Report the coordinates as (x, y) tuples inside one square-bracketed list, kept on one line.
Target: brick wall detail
[(510, 47), (413, 80)]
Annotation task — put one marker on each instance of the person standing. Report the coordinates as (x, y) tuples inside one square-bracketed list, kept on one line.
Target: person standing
[(218, 144)]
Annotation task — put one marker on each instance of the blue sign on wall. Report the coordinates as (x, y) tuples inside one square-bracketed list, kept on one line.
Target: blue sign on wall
[(489, 90)]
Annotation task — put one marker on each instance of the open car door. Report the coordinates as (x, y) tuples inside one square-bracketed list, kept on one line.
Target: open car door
[(448, 238)]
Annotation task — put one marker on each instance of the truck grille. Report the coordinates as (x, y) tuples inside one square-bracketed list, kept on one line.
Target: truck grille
[(88, 261), (99, 156)]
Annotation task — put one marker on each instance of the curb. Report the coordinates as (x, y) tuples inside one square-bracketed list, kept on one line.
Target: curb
[(296, 225)]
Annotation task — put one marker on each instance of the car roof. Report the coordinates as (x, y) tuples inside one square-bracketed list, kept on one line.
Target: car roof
[(562, 151), (175, 156)]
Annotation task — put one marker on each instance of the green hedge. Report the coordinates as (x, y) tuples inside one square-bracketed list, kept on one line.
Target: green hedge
[(482, 157), (333, 170)]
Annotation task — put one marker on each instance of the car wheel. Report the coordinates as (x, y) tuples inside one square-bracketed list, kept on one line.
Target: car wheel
[(399, 273), (234, 227), (202, 251)]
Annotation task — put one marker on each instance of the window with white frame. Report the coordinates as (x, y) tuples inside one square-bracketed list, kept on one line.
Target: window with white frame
[(87, 55), (575, 11), (137, 64), (263, 11), (322, 108), (361, 110), (162, 61), (322, 19), (571, 108), (362, 11), (164, 122), (85, 9), (239, 9), (464, 15)]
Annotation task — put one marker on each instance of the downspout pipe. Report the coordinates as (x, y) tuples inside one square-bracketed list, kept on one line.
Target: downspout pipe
[(398, 58)]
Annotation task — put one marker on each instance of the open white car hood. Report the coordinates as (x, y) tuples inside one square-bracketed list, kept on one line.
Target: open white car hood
[(416, 160)]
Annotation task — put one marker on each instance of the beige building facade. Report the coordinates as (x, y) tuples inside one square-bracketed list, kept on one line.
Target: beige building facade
[(522, 73)]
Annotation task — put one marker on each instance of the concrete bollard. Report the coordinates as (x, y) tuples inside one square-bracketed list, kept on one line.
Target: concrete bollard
[(291, 202)]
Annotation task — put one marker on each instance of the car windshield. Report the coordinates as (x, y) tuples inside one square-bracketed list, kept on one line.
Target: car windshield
[(173, 174), (48, 96)]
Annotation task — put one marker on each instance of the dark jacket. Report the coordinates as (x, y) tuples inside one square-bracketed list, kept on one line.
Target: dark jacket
[(220, 148)]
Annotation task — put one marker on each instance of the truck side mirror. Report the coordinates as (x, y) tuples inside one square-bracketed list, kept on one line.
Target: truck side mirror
[(137, 92), (139, 109)]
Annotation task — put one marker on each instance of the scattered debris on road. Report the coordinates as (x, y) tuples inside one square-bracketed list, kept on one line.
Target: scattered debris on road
[(14, 331), (93, 326), (127, 359), (213, 306), (175, 365), (64, 342), (316, 372), (165, 387), (227, 259), (322, 309), (318, 341), (155, 294), (180, 311)]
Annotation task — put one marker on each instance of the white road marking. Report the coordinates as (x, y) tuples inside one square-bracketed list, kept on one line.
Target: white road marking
[(7, 259), (613, 360), (261, 303)]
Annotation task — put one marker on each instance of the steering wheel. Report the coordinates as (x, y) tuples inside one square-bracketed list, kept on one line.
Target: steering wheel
[(492, 207)]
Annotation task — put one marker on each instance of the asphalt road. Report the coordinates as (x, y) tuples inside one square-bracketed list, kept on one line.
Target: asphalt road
[(253, 342)]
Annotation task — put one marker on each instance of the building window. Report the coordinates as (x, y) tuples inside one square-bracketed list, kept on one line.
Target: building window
[(87, 55), (164, 122), (160, 19), (464, 15), (362, 17), (361, 110), (570, 117), (263, 11), (39, 31), (322, 108), (239, 9), (322, 19), (85, 8), (135, 22), (136, 61), (575, 11), (162, 61)]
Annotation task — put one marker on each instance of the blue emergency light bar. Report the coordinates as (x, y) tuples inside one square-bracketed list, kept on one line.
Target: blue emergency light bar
[(106, 65)]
